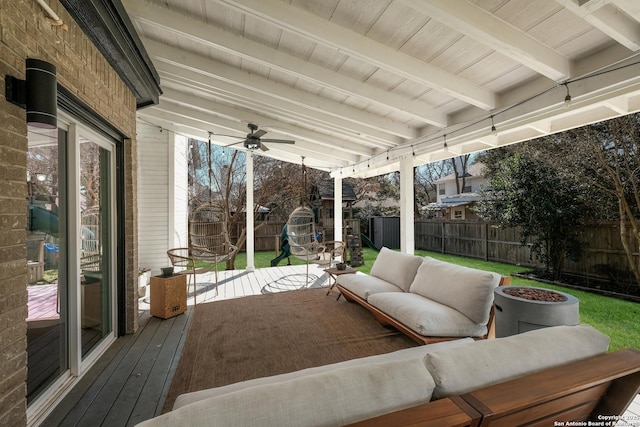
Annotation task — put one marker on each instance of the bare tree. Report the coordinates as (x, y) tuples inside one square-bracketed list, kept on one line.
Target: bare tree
[(460, 166), (218, 175)]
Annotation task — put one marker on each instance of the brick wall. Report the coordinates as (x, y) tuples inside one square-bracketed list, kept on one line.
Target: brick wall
[(24, 33)]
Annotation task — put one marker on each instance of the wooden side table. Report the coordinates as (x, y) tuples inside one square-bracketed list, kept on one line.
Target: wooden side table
[(334, 273), (168, 295)]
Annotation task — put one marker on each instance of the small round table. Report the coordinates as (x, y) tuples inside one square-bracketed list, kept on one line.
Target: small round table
[(334, 273)]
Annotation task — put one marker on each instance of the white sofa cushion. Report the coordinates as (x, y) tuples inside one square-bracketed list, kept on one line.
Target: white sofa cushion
[(396, 268), (364, 285), (468, 290), (333, 398), (417, 352), (483, 363), (426, 317)]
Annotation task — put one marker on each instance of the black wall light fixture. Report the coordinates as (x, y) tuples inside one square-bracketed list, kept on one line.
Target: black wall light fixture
[(37, 93)]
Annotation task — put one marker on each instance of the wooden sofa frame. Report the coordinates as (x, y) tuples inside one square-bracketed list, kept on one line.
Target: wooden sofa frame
[(387, 320), (597, 389)]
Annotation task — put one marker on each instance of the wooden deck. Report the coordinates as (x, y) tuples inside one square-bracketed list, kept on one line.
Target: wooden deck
[(130, 382), (42, 302)]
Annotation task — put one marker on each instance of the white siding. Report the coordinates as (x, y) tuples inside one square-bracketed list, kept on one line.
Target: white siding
[(162, 195)]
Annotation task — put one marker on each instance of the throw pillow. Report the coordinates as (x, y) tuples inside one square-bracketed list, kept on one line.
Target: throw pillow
[(467, 290), (396, 267)]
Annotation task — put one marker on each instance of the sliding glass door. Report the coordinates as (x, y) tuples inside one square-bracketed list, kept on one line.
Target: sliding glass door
[(95, 233), (47, 255), (70, 247)]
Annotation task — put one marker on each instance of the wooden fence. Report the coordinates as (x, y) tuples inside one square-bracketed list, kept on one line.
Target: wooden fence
[(603, 255), (267, 237)]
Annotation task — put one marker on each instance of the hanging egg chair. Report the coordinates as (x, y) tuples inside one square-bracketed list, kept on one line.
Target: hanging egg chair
[(301, 231), (208, 239), (304, 241), (208, 234)]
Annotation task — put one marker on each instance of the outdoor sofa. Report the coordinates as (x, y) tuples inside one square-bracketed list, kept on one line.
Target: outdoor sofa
[(427, 299), (555, 374)]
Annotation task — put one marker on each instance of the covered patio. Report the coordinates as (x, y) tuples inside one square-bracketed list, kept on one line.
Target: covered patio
[(368, 88), (364, 88), (131, 380), (363, 95)]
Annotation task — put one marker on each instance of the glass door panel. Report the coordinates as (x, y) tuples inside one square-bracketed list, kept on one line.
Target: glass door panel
[(95, 254), (47, 248)]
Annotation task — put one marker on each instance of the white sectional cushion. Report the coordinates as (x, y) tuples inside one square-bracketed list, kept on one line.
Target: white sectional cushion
[(333, 398), (417, 352), (468, 290), (396, 268), (482, 363), (426, 317), (364, 285)]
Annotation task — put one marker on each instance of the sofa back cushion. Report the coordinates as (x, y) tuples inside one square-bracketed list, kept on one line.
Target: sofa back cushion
[(479, 364), (337, 397), (467, 290), (396, 267)]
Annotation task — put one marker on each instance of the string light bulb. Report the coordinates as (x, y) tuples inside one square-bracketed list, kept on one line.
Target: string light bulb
[(567, 99), (446, 147), (494, 132)]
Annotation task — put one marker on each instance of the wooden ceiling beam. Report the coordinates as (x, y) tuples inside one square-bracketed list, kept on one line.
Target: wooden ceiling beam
[(496, 34), (214, 74), (252, 51), (610, 19), (335, 36)]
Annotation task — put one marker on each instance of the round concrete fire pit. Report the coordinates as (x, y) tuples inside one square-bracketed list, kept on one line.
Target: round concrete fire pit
[(522, 309)]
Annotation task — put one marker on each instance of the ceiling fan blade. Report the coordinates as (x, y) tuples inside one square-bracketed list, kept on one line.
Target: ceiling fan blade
[(258, 133), (234, 143), (213, 134), (279, 141), (264, 147)]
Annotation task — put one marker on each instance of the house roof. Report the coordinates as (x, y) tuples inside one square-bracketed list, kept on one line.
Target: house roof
[(324, 190), (453, 201), (361, 85)]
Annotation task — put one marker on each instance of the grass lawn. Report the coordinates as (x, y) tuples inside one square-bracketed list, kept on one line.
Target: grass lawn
[(614, 317)]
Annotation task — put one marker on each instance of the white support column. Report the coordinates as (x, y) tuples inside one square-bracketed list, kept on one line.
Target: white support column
[(337, 208), (250, 245), (407, 239)]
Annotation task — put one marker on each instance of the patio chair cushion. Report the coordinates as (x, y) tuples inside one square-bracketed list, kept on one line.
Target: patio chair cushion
[(338, 397), (468, 290), (364, 285), (471, 366), (426, 317), (396, 268)]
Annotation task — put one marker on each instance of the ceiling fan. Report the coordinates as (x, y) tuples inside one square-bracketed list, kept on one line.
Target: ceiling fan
[(254, 139)]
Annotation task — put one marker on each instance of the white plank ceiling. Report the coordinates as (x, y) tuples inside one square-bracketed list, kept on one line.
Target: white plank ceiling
[(360, 83)]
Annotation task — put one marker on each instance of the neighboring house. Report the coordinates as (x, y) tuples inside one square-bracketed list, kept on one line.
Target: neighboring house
[(452, 205), (322, 197)]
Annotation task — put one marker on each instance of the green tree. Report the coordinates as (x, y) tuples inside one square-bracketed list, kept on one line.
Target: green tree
[(607, 156), (531, 188)]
